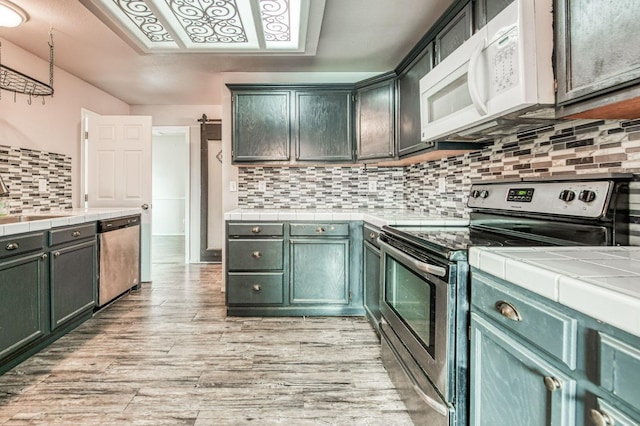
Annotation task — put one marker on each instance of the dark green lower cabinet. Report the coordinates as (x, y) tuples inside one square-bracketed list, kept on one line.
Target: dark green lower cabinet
[(72, 278), (512, 385), (22, 303), (302, 268), (319, 271)]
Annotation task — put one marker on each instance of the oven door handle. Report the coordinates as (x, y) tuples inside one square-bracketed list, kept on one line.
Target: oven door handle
[(421, 266)]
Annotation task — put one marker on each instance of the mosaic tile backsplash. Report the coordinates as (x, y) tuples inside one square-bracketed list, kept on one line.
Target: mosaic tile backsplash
[(22, 169), (565, 149)]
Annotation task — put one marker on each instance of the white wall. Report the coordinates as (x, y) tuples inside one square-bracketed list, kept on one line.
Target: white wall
[(55, 126), (169, 152)]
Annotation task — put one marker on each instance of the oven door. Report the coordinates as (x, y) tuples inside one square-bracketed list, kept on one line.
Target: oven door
[(417, 303)]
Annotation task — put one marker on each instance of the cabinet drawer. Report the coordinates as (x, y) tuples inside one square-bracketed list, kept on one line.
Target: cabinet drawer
[(536, 322), (72, 233), (255, 255), (319, 229), (255, 289), (256, 229), (619, 365), (18, 244)]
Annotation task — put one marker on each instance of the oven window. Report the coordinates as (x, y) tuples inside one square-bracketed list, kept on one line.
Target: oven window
[(412, 298)]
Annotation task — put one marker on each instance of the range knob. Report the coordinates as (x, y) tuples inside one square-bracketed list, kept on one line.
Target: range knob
[(567, 195), (484, 193), (587, 196), (475, 193)]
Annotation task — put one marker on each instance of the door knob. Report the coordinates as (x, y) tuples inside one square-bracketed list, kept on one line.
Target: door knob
[(145, 206)]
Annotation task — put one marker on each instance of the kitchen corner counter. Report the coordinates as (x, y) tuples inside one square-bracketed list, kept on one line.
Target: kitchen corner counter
[(602, 282), (67, 217), (379, 217)]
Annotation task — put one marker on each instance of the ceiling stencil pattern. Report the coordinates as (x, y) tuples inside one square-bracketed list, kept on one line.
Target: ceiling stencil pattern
[(207, 25), (143, 18), (213, 21)]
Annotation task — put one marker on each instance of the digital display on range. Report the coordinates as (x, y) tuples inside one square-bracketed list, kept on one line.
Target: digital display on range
[(520, 195)]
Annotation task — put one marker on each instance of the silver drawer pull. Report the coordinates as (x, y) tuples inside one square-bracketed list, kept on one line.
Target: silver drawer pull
[(44, 256), (508, 311), (75, 234), (256, 229), (552, 384), (12, 246), (256, 255), (600, 418), (320, 230), (56, 254), (256, 287), (372, 236)]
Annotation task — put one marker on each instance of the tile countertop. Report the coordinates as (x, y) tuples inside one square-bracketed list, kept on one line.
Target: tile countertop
[(602, 282), (377, 218), (71, 217)]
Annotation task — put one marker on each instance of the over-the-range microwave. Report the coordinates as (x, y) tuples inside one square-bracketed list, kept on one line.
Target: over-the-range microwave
[(502, 73)]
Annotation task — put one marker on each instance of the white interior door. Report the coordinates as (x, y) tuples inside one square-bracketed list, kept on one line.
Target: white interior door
[(118, 169)]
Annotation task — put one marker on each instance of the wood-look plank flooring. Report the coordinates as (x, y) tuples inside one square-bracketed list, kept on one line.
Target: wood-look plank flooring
[(167, 354)]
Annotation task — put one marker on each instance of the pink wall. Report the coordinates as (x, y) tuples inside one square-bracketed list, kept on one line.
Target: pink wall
[(55, 126)]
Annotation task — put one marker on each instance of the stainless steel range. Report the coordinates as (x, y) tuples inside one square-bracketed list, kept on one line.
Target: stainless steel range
[(425, 297)]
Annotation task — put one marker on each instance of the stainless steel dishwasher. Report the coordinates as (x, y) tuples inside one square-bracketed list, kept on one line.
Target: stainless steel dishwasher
[(119, 257)]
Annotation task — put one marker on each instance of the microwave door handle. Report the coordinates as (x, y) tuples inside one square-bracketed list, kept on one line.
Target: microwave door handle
[(480, 106), (421, 266)]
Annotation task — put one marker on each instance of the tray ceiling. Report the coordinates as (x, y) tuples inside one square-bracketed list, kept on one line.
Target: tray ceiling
[(225, 26)]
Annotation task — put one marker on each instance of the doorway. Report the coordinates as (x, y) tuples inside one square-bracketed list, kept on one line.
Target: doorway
[(170, 183)]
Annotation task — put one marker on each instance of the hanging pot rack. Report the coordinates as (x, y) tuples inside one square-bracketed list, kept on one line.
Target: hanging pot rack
[(17, 82)]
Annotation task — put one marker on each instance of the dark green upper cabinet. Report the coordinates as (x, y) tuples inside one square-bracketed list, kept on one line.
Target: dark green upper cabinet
[(596, 50), (261, 126), (456, 32), (375, 120), (408, 114), (323, 130), (486, 10)]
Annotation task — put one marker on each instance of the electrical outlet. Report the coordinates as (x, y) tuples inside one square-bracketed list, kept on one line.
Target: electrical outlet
[(373, 185), (442, 185), (233, 186), (42, 185), (262, 186)]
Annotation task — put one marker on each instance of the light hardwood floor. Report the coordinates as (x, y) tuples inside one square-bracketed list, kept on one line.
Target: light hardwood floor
[(168, 354)]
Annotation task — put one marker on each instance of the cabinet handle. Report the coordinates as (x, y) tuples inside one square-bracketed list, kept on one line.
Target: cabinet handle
[(600, 418), (75, 234), (552, 383), (256, 229), (320, 230), (507, 310), (44, 256), (256, 255), (56, 254), (12, 246), (256, 287), (372, 236)]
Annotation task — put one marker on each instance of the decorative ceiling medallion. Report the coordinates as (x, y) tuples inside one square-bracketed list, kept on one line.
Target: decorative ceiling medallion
[(209, 25)]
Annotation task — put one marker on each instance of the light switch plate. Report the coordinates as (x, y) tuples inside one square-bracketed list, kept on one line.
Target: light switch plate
[(42, 185), (442, 185), (262, 186), (373, 185), (233, 186)]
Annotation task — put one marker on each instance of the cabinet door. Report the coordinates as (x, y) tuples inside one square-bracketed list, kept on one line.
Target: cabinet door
[(595, 50), (73, 274), (409, 137), (323, 125), (22, 302), (375, 121), (457, 31), (319, 271), (261, 126), (372, 283), (511, 385), (486, 10)]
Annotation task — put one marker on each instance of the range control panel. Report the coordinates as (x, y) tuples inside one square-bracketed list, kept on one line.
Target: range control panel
[(587, 199)]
